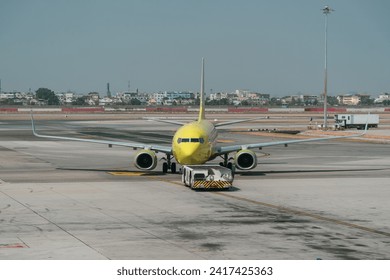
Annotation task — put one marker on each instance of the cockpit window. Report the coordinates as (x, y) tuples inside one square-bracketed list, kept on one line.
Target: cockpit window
[(188, 140)]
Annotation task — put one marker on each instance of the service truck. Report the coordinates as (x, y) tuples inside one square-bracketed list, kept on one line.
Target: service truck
[(207, 176), (344, 121)]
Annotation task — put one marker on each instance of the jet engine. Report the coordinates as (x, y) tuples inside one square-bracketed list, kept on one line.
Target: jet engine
[(245, 160), (145, 160)]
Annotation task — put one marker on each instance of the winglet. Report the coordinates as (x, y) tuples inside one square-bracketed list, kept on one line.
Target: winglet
[(366, 127), (202, 97), (32, 123)]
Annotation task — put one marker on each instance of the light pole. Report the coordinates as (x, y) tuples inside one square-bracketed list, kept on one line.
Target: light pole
[(326, 11)]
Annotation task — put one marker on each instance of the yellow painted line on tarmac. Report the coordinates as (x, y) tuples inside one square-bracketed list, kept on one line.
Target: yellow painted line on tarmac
[(127, 173), (224, 141)]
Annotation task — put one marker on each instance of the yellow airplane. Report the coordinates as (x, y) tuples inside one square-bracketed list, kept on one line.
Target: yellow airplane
[(194, 143)]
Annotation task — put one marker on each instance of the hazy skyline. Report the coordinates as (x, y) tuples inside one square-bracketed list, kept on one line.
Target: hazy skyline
[(274, 47)]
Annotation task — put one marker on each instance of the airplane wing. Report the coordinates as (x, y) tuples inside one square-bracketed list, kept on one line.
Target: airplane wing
[(239, 121), (166, 121), (164, 149), (235, 148), (216, 125)]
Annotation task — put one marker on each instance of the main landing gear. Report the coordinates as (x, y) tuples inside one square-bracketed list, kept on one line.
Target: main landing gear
[(227, 163), (168, 165)]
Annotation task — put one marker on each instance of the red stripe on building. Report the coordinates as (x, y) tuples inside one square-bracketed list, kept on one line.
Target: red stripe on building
[(8, 109), (83, 110)]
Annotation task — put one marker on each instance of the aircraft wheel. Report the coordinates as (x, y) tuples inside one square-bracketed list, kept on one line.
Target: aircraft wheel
[(165, 167), (173, 167), (230, 165)]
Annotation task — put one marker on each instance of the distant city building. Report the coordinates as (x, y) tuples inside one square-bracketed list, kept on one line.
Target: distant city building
[(171, 95), (250, 97), (92, 98), (128, 97), (238, 97), (349, 99), (69, 97), (219, 95), (309, 99), (158, 97), (382, 97), (167, 97), (108, 90), (105, 101), (7, 95)]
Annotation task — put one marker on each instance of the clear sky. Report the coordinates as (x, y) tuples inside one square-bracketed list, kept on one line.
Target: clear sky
[(269, 46)]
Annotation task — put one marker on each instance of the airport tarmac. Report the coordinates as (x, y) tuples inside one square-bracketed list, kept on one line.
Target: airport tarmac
[(72, 200)]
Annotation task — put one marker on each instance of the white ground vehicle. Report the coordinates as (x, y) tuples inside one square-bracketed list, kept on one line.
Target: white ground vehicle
[(207, 177), (344, 121)]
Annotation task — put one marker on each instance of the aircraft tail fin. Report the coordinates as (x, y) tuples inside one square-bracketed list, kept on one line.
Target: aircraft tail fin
[(202, 96)]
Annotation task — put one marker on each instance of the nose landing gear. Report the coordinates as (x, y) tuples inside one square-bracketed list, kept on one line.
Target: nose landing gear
[(168, 165)]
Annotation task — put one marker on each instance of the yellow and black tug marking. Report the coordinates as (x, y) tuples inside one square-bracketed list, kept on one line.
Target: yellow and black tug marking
[(211, 184)]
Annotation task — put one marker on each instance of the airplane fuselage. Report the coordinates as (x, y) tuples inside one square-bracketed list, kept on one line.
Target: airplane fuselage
[(194, 143)]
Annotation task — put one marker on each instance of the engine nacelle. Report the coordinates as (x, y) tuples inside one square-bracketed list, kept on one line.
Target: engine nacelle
[(145, 160), (245, 160)]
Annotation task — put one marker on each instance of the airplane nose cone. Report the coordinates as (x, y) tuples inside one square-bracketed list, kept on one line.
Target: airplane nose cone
[(188, 154)]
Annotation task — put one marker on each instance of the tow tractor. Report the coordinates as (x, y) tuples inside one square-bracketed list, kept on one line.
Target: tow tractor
[(207, 176)]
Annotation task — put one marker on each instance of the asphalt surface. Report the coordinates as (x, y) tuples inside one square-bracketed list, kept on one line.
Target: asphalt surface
[(60, 199)]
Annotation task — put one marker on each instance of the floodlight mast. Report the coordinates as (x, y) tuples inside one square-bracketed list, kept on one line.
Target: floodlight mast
[(327, 10)]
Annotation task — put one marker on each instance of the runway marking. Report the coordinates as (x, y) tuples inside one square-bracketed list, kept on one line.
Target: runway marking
[(292, 211), (127, 173), (54, 224), (140, 228), (13, 246)]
